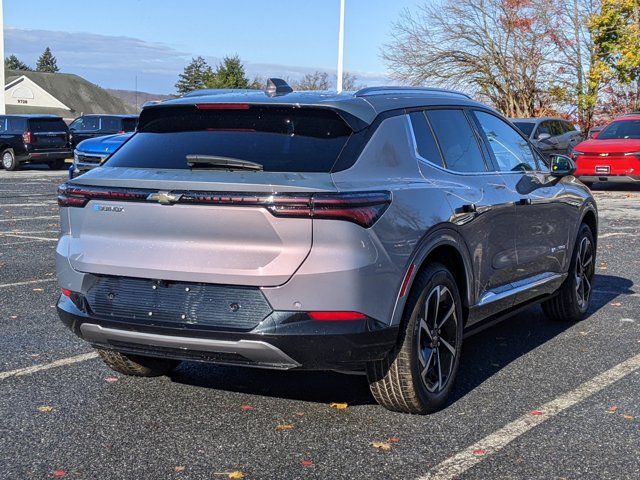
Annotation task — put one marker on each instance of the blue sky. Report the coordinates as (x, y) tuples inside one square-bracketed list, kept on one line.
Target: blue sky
[(110, 43)]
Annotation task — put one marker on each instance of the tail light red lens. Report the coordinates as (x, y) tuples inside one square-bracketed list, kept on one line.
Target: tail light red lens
[(66, 292), (361, 208), (27, 138), (336, 316)]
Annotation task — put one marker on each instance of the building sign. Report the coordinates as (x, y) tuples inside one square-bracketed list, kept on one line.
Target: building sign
[(24, 91)]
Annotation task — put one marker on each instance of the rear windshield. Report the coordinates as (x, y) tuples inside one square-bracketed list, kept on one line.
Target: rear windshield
[(620, 130), (47, 125), (525, 127), (281, 139)]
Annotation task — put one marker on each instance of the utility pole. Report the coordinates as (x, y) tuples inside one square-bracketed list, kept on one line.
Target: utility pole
[(2, 82), (340, 47)]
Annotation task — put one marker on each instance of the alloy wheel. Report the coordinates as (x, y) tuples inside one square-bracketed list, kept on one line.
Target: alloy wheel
[(7, 160), (437, 338), (584, 272)]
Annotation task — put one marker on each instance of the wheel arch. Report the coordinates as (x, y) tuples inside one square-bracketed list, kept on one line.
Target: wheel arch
[(590, 218), (446, 246)]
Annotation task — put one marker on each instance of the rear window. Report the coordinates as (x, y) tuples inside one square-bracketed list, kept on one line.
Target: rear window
[(47, 125), (525, 127), (281, 139), (111, 124), (621, 130)]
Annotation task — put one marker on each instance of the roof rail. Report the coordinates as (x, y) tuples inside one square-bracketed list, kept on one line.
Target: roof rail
[(389, 90)]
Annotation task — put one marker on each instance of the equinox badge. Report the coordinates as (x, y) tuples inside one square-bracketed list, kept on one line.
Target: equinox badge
[(165, 198)]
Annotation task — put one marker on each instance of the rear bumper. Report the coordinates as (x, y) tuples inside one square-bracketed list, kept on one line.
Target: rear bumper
[(46, 156), (283, 340), (609, 178)]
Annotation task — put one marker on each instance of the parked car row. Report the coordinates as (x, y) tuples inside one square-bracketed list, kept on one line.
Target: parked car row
[(48, 139)]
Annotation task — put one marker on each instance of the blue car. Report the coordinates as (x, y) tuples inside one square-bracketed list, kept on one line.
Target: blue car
[(89, 153)]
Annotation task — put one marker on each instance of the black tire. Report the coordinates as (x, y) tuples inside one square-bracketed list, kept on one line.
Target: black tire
[(57, 164), (571, 302), (396, 382), (136, 365), (8, 159)]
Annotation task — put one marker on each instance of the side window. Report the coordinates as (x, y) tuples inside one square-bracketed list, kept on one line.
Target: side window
[(129, 124), (16, 125), (425, 141), (569, 127), (544, 127), (111, 124), (556, 128), (511, 150), (457, 141)]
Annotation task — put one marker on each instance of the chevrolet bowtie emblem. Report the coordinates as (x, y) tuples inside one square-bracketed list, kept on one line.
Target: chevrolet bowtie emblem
[(165, 198), (604, 154)]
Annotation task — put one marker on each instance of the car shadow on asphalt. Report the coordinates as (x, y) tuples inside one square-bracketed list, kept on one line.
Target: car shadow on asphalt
[(507, 341)]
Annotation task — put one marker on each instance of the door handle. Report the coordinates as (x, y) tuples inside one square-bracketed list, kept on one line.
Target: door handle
[(524, 201)]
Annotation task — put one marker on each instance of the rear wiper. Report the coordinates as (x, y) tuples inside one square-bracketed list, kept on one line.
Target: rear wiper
[(226, 163)]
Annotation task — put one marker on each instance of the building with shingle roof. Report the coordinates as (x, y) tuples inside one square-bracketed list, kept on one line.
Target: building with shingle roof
[(63, 94)]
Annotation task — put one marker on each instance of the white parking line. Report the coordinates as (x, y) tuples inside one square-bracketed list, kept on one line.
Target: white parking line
[(22, 219), (28, 282), (13, 235), (46, 366), (456, 465)]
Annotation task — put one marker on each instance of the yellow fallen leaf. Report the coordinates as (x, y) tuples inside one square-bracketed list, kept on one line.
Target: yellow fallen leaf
[(179, 469), (616, 304), (45, 409), (338, 406), (284, 427), (236, 474), (627, 417), (381, 445), (38, 290)]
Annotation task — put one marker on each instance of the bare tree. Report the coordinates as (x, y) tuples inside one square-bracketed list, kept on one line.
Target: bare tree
[(314, 81), (578, 75), (493, 48), (350, 82)]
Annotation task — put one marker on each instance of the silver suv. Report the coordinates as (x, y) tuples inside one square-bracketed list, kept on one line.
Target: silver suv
[(360, 232)]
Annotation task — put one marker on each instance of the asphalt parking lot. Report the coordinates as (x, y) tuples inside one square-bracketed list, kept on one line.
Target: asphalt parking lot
[(535, 399)]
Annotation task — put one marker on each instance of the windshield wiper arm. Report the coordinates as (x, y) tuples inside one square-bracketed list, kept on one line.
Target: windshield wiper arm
[(215, 161)]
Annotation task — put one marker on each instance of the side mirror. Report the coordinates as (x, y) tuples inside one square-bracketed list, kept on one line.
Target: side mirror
[(562, 166), (544, 136), (594, 134)]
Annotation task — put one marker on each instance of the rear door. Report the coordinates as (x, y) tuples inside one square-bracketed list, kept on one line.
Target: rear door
[(484, 213), (48, 133), (216, 230)]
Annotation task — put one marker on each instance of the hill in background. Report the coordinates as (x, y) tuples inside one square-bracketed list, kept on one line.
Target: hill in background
[(130, 97)]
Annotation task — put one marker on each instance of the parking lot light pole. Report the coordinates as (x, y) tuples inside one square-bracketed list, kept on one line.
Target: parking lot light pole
[(2, 109), (340, 47)]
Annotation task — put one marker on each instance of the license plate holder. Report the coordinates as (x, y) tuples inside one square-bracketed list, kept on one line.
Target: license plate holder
[(603, 169)]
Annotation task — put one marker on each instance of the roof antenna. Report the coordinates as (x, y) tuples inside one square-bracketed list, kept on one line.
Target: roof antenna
[(277, 87)]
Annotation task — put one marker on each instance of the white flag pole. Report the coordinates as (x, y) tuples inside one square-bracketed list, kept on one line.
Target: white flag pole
[(340, 47), (2, 108)]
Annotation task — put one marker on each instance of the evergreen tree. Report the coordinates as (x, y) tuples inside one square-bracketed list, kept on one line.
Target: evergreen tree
[(14, 63), (47, 62), (229, 74), (194, 77)]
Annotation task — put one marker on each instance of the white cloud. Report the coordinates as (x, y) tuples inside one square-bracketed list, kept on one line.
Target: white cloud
[(115, 61)]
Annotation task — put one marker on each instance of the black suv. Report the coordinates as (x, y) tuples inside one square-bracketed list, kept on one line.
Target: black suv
[(33, 138), (89, 126)]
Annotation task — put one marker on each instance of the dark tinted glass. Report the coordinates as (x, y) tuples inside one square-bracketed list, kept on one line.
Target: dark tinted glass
[(544, 127), (525, 127), (3, 124), (569, 127), (47, 125), (111, 124), (621, 129), (457, 140), (16, 125), (129, 124), (281, 139), (85, 124), (425, 141)]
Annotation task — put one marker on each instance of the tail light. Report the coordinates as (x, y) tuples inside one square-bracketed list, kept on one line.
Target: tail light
[(27, 137), (336, 316), (361, 208)]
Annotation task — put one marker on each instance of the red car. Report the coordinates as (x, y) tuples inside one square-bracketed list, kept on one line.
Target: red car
[(611, 155)]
